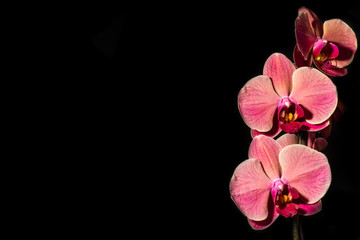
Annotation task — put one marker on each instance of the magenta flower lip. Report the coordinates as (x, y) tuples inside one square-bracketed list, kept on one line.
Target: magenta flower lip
[(287, 99), (331, 45), (280, 178)]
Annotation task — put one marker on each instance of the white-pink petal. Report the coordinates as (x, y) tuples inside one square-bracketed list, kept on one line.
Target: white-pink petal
[(287, 139), (257, 102), (261, 225), (250, 189), (266, 150), (280, 69), (316, 94), (306, 170)]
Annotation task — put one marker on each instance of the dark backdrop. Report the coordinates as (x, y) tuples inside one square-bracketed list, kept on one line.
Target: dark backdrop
[(156, 99)]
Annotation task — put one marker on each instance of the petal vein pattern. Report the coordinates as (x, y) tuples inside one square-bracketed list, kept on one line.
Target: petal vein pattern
[(257, 102), (306, 170), (250, 189)]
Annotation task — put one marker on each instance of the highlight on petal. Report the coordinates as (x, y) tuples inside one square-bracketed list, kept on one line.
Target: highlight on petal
[(280, 69), (316, 94), (266, 150), (338, 32), (287, 139), (306, 170), (250, 189), (257, 103)]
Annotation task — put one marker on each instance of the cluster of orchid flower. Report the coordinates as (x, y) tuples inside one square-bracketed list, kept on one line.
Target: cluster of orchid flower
[(289, 176)]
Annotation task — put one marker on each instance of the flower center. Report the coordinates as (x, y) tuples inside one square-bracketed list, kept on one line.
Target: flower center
[(325, 52), (287, 117), (283, 198), (321, 57), (286, 200), (289, 112)]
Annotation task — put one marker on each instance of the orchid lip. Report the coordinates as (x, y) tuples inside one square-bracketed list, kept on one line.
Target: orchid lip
[(318, 46), (288, 113), (289, 110), (286, 198), (325, 51)]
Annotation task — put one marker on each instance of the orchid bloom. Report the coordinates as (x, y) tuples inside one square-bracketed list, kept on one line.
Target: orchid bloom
[(330, 46), (287, 99), (279, 178)]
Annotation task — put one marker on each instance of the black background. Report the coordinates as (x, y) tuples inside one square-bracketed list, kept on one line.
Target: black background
[(151, 106)]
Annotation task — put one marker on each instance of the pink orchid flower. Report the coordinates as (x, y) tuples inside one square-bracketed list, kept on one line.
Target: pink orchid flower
[(287, 99), (330, 46), (279, 178)]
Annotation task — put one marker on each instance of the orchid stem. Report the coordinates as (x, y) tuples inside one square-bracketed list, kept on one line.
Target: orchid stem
[(303, 138), (297, 229)]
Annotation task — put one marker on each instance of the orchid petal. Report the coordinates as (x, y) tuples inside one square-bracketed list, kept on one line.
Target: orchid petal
[(293, 192), (330, 68), (318, 46), (306, 170), (314, 127), (280, 69), (250, 189), (299, 58), (287, 139), (260, 225), (266, 150), (304, 33), (315, 22), (338, 32), (309, 209), (333, 51), (257, 102), (273, 132), (299, 111), (315, 92)]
